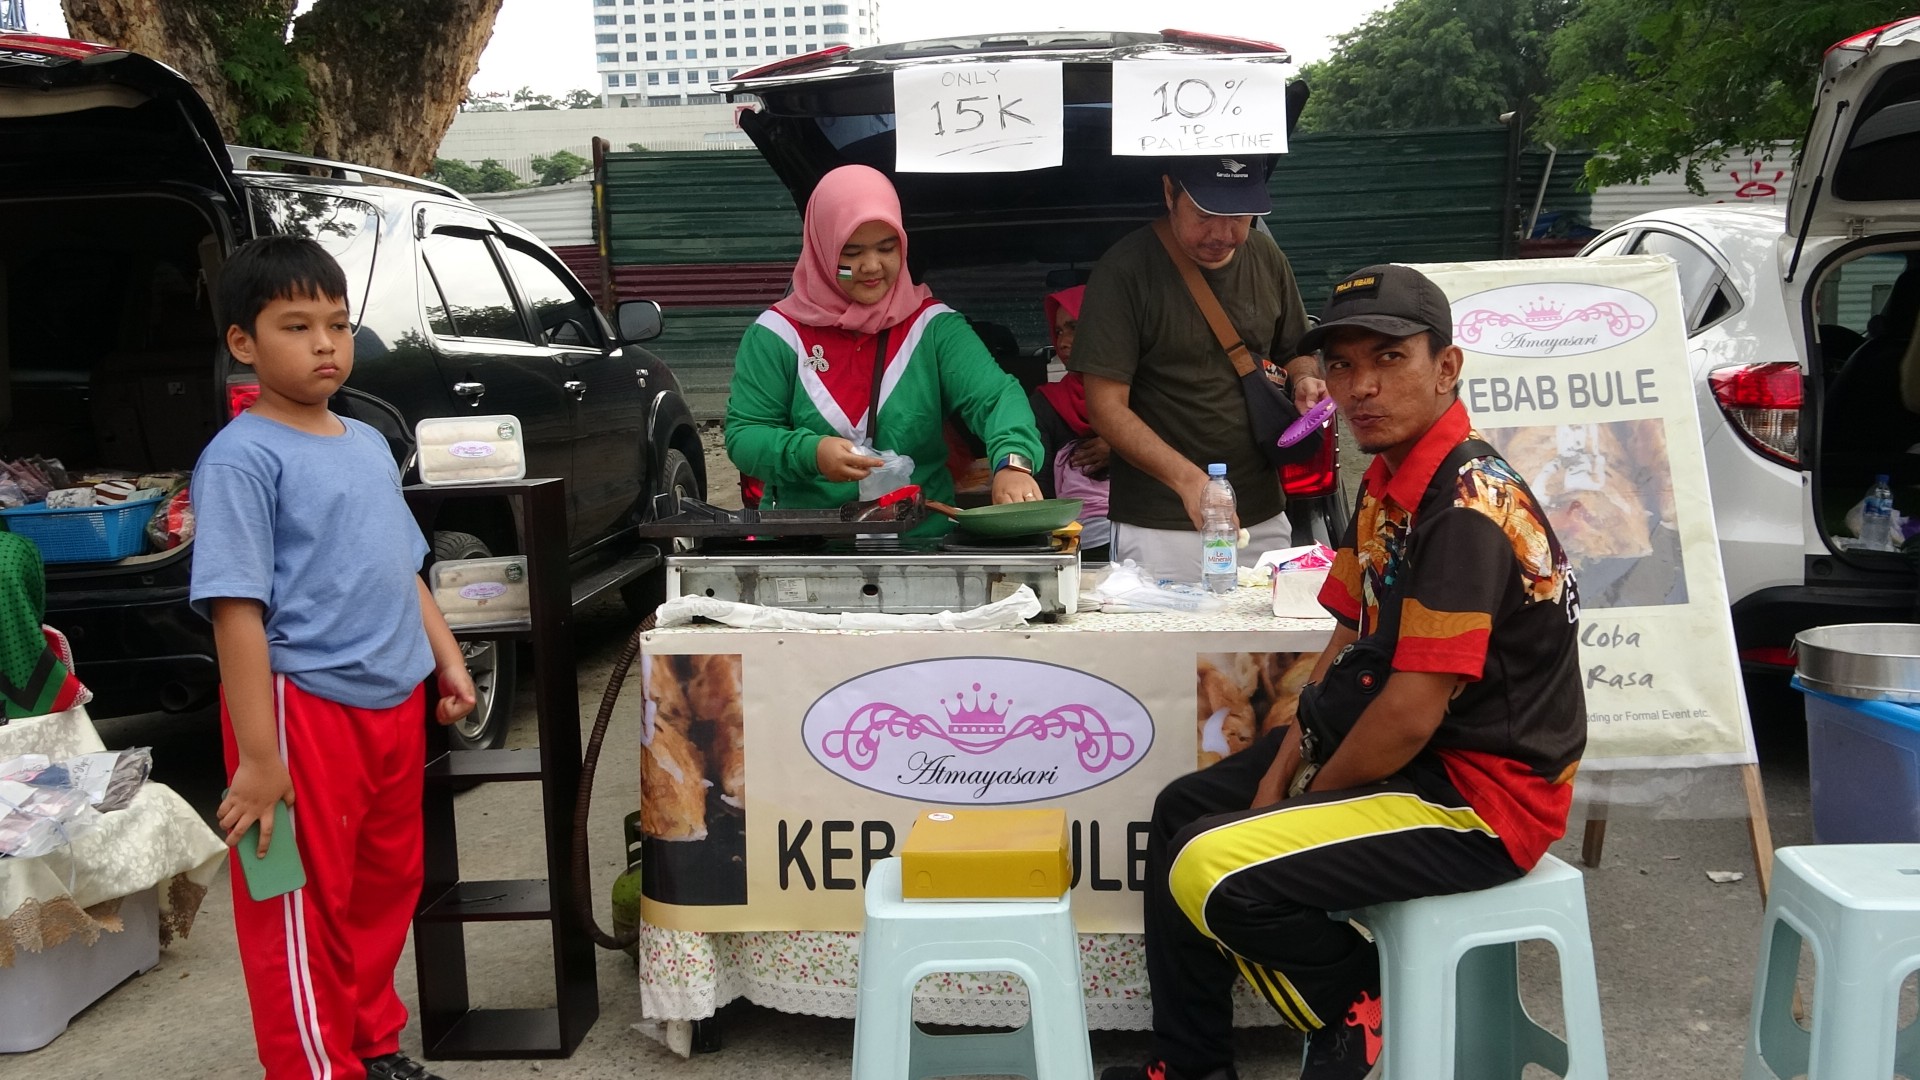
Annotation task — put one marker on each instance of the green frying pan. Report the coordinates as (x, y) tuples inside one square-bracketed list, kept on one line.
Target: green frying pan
[(1013, 519)]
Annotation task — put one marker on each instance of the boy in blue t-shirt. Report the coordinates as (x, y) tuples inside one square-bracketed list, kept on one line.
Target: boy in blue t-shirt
[(307, 561)]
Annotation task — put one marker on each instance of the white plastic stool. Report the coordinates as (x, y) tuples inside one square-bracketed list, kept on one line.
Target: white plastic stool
[(1858, 906), (1450, 983), (903, 943)]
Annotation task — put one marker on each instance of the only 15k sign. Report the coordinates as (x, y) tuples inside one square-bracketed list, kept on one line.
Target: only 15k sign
[(963, 117)]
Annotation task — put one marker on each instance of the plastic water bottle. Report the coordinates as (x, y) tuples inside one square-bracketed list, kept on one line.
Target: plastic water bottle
[(1219, 537), (1876, 518)]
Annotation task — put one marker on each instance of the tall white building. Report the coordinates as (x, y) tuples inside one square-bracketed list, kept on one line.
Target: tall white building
[(669, 52)]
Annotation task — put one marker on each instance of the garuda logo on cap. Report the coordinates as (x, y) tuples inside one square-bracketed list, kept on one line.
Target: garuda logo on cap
[(1233, 168)]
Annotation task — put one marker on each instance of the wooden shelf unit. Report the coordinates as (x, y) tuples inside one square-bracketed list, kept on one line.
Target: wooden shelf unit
[(450, 1026)]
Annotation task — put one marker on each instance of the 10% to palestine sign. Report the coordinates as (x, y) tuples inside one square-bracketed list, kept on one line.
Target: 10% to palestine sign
[(1176, 107)]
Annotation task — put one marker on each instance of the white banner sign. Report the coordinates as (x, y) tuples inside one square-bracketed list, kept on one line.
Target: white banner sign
[(960, 118), (1577, 372), (1166, 108)]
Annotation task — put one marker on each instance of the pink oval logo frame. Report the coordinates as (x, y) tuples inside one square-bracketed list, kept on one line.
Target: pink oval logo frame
[(1549, 319), (977, 730)]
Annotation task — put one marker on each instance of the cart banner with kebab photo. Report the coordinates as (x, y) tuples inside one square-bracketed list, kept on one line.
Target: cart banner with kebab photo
[(1578, 371), (777, 767)]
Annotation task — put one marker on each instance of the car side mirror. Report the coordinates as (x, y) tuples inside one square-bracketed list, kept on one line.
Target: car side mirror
[(639, 320)]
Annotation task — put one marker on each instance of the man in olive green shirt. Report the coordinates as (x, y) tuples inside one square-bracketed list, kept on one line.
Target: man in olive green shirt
[(1161, 390)]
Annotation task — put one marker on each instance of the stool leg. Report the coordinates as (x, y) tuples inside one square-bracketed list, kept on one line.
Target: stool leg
[(1496, 1039), (1585, 1051), (1776, 1045), (1417, 1014)]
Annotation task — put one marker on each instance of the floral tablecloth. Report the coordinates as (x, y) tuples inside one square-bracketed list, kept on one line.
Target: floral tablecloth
[(685, 975), (156, 841)]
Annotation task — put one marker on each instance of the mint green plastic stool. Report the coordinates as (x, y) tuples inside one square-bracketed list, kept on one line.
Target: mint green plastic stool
[(1450, 982), (1858, 906), (903, 943)]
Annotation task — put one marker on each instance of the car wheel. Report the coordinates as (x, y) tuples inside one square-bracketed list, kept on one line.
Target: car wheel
[(646, 592), (490, 663)]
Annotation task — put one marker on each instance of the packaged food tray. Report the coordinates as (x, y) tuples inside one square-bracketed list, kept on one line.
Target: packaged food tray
[(84, 533), (481, 592)]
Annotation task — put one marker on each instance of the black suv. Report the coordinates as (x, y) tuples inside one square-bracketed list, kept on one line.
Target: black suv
[(119, 201)]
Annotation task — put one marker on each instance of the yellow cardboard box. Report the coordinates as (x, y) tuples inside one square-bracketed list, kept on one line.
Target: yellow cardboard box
[(986, 855)]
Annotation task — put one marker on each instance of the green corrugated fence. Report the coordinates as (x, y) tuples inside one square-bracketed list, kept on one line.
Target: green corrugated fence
[(1341, 201)]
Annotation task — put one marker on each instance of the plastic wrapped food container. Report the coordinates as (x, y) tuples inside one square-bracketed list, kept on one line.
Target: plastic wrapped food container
[(470, 449), (481, 592)]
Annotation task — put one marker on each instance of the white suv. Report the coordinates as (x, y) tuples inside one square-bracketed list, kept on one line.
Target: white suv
[(1797, 324)]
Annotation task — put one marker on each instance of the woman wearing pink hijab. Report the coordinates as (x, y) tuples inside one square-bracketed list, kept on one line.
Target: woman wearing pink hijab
[(857, 332)]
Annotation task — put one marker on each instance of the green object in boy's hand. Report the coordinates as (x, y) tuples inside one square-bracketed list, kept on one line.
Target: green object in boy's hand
[(279, 871)]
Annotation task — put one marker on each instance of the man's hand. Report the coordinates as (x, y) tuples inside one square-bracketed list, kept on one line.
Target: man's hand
[(1091, 455), (1193, 495), (840, 462), (1308, 387), (1273, 786), (1012, 485), (256, 787), (457, 695)]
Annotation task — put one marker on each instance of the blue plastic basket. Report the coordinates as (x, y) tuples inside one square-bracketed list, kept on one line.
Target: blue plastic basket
[(84, 533)]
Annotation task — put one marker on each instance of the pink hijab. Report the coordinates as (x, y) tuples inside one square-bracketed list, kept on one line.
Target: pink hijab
[(845, 199)]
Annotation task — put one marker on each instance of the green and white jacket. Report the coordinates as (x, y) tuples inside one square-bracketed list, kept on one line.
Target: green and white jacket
[(794, 385)]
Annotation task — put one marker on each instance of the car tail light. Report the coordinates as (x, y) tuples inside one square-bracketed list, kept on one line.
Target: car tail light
[(790, 64), (1220, 41), (1763, 401), (242, 392), (1780, 656)]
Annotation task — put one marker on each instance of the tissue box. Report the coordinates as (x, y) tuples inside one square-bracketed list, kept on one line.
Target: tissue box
[(1296, 594), (986, 855)]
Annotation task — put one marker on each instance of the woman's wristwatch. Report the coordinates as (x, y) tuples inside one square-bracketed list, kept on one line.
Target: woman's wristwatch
[(1017, 462)]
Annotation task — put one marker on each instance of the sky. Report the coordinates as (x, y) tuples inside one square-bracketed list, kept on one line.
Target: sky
[(548, 44)]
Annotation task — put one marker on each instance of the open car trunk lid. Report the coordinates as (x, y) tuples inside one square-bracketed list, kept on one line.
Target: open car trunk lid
[(835, 107), (1857, 177), (81, 115)]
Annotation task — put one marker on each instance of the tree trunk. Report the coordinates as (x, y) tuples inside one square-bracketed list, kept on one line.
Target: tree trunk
[(184, 36), (389, 75)]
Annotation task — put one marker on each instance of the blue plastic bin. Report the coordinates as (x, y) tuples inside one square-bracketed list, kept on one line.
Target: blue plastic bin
[(84, 533), (1864, 761)]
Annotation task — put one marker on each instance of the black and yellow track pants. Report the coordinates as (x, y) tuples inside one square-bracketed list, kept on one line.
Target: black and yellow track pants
[(1239, 893)]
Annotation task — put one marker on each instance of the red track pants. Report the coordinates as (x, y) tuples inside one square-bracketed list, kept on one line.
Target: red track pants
[(320, 960)]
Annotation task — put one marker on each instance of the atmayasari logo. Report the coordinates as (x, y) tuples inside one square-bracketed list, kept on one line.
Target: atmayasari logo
[(1559, 318), (1003, 730)]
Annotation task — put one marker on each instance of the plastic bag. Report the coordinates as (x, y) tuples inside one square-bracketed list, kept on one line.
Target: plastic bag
[(172, 524), (1128, 587), (38, 820), (896, 473)]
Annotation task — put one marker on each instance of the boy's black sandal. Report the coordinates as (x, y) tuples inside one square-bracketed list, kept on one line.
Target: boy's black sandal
[(396, 1066)]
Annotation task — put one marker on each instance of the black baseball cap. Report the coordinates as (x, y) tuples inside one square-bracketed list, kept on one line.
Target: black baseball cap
[(1225, 186), (1397, 301)]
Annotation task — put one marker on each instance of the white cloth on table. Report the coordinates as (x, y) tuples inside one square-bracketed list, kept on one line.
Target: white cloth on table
[(1174, 554), (157, 841)]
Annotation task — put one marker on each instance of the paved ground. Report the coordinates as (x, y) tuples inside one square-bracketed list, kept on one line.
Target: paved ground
[(1675, 951)]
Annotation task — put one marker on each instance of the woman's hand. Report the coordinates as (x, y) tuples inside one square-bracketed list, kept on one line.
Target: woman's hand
[(841, 463), (1090, 456), (1012, 485)]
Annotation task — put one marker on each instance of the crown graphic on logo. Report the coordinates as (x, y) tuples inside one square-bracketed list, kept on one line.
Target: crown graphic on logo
[(982, 716), (1546, 312)]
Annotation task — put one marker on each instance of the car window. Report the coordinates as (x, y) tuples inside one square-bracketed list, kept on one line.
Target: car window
[(348, 229), (477, 303), (1699, 278), (1854, 292), (562, 312), (1613, 245)]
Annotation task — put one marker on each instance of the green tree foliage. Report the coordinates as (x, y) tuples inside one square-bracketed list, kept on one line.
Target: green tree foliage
[(525, 100), (559, 167), (467, 179), (1659, 85), (1435, 63)]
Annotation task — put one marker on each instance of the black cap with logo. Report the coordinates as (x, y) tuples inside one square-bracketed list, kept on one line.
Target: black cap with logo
[(1397, 301), (1225, 186)]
